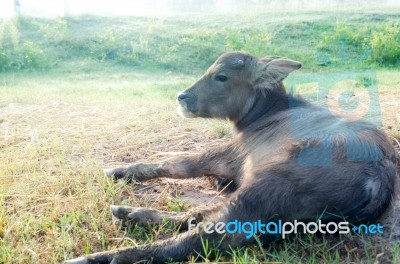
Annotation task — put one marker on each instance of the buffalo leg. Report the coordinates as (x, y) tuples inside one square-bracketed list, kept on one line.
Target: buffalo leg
[(144, 216), (183, 246), (222, 162)]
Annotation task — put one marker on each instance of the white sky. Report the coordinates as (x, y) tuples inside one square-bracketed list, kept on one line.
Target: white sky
[(51, 8)]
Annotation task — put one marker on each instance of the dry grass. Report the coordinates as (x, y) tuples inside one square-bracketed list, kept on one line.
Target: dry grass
[(53, 196), (60, 126)]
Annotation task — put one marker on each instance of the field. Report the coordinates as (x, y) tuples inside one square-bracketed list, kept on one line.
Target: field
[(85, 93)]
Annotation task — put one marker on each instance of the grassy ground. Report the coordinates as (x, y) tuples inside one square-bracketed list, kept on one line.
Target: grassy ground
[(86, 93)]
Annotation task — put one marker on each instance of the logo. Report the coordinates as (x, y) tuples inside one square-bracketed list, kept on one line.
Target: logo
[(249, 229), (346, 97)]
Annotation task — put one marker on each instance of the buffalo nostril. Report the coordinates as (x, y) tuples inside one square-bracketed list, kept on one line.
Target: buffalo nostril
[(182, 96)]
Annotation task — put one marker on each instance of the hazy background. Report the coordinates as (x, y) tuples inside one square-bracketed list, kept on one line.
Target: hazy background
[(80, 93), (51, 8)]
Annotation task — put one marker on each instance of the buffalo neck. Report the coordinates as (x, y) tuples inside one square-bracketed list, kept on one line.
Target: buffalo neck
[(267, 105)]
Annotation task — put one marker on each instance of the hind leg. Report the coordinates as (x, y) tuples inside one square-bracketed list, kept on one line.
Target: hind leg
[(257, 200), (180, 248), (176, 249)]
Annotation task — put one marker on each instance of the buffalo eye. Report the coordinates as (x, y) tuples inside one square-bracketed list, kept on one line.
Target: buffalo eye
[(221, 78)]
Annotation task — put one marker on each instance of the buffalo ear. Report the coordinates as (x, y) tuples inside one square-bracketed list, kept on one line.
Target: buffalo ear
[(270, 74)]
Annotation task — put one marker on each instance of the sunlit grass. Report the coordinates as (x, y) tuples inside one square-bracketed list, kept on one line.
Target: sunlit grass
[(61, 125)]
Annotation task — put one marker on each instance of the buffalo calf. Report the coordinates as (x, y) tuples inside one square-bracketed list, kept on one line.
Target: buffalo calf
[(289, 160)]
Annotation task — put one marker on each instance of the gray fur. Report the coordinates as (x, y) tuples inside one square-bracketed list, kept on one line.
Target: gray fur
[(289, 160)]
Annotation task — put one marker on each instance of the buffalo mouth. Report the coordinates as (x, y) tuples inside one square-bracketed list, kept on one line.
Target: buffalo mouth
[(185, 111)]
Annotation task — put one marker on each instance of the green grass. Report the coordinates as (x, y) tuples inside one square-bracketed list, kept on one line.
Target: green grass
[(175, 43), (81, 94)]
